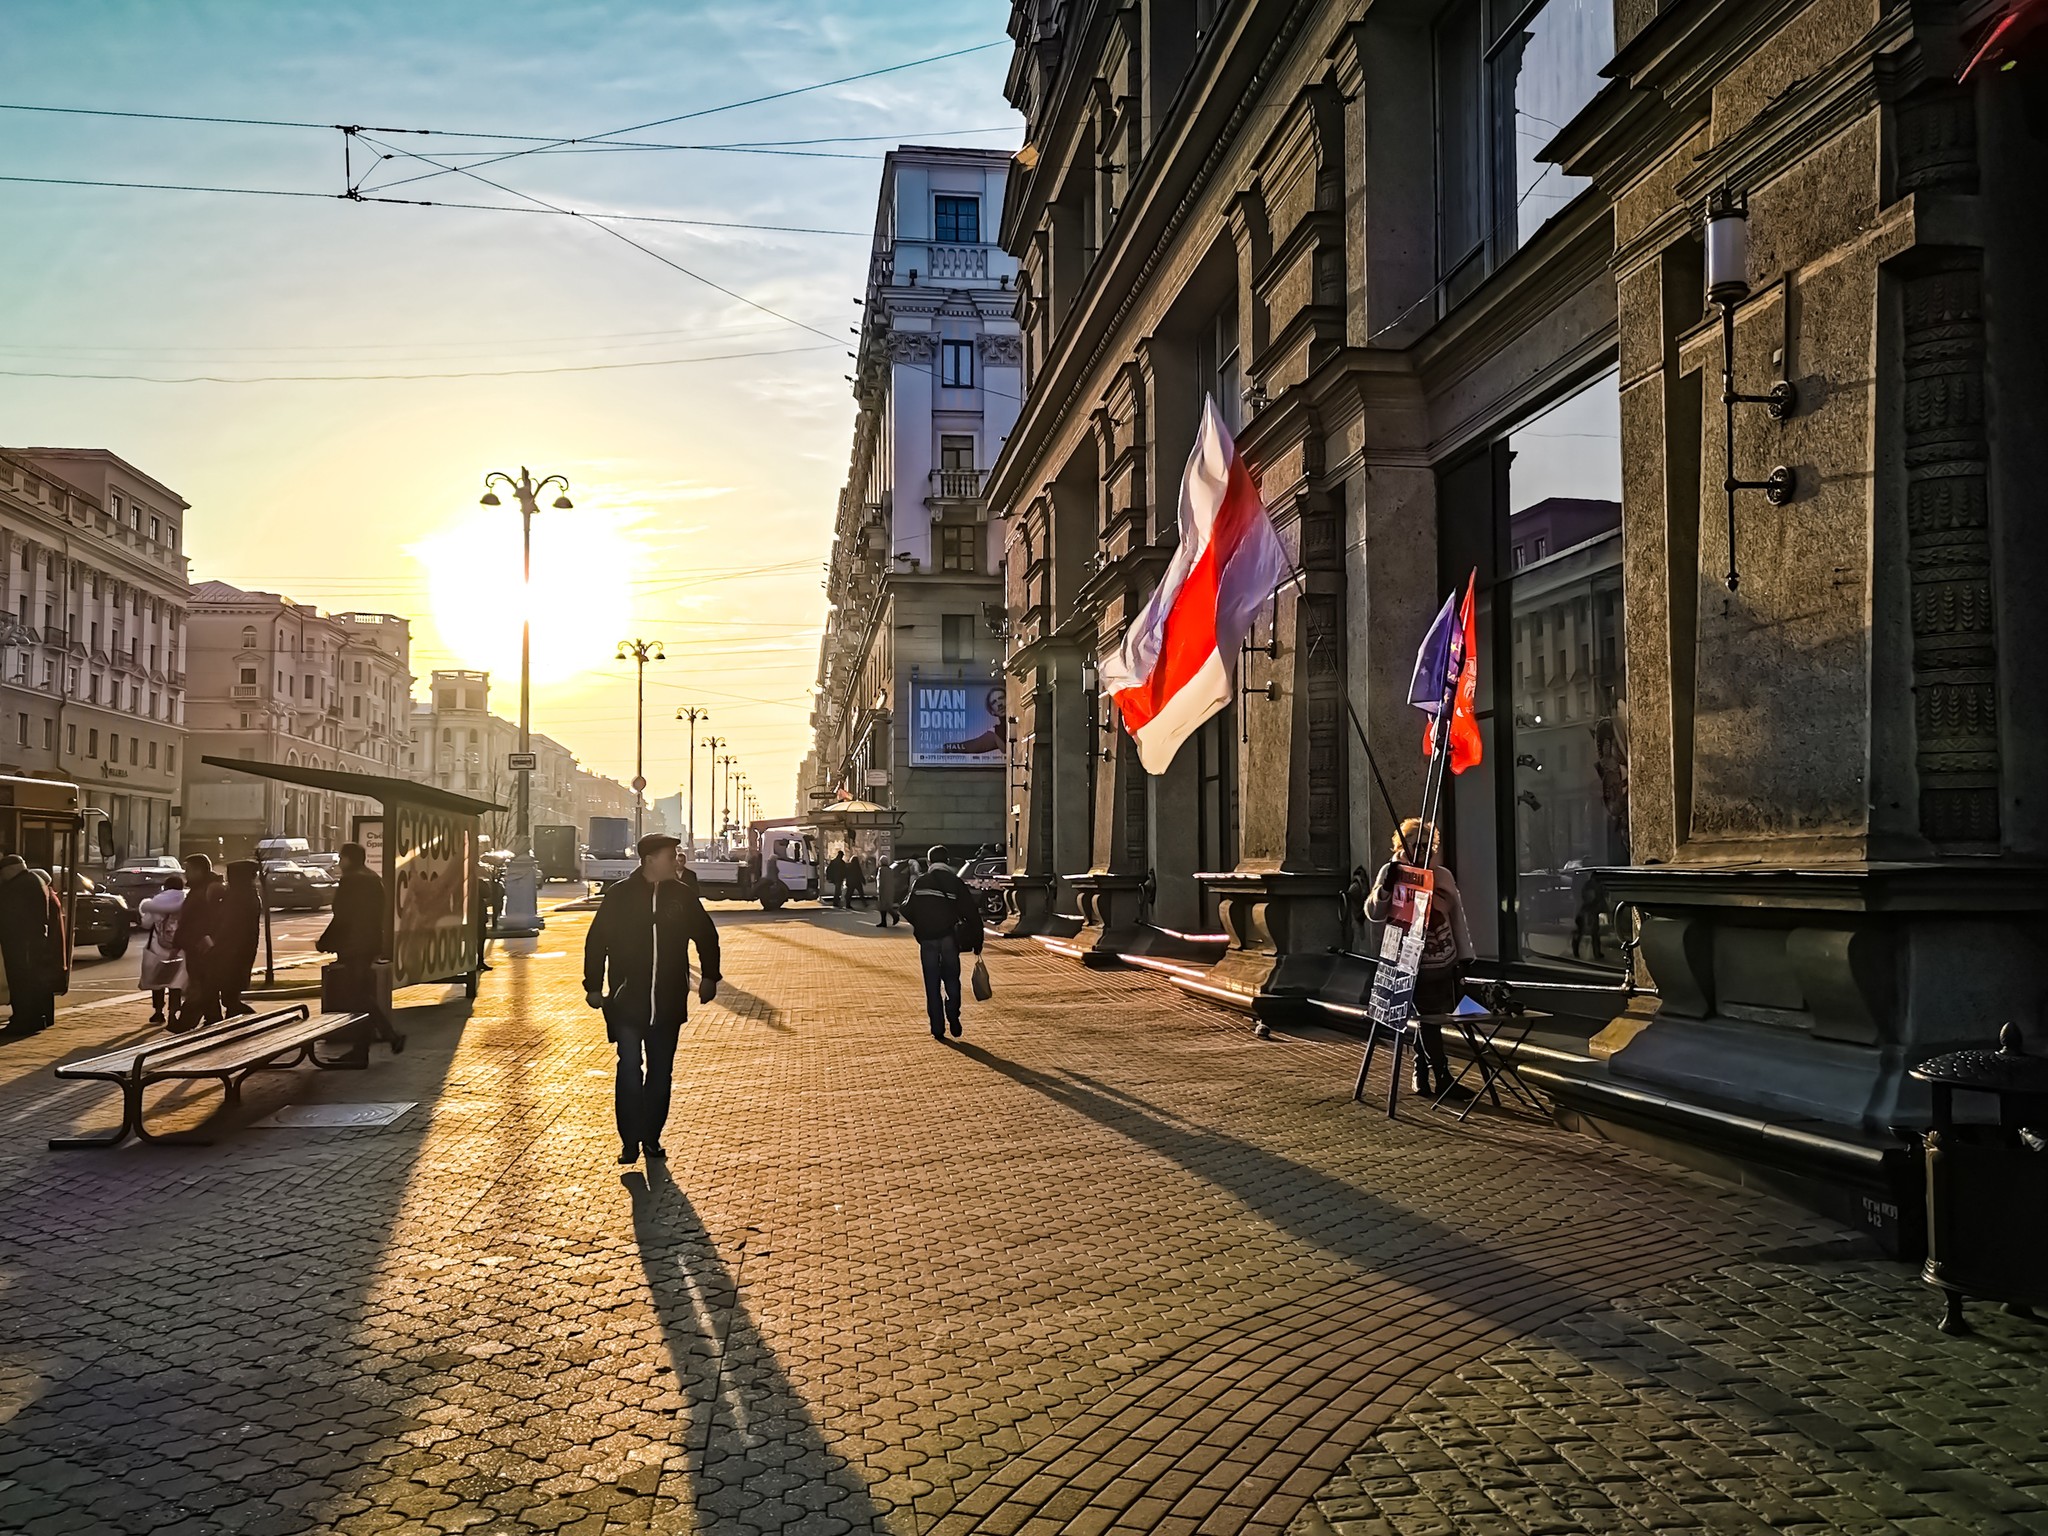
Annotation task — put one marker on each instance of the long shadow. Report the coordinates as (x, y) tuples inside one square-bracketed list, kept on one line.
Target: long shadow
[(747, 1005), (757, 1460), (1332, 1214), (181, 1334)]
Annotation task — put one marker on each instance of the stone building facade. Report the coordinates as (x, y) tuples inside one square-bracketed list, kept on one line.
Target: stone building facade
[(278, 681), (1443, 268), (93, 597), (909, 671)]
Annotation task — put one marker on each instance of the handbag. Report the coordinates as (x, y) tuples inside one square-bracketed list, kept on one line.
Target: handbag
[(984, 989)]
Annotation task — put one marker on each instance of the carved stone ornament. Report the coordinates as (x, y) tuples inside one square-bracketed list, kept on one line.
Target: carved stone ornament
[(912, 347), (1002, 351)]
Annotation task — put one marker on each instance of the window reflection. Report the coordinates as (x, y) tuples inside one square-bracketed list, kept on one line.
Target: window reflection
[(1546, 69), (1567, 681)]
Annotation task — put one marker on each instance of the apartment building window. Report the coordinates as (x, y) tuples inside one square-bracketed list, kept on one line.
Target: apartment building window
[(171, 758), (956, 364), (1219, 365), (356, 707), (22, 721), (1508, 78), (956, 637), (21, 609), (49, 734), (245, 722), (359, 671), (113, 747), (249, 637), (249, 677), (957, 220), (92, 743), (309, 688), (152, 753), (134, 751), (959, 546)]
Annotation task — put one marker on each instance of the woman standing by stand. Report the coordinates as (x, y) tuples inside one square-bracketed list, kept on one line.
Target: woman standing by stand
[(163, 962)]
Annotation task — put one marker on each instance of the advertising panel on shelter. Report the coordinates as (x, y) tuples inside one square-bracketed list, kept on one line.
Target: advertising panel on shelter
[(434, 935), (956, 722)]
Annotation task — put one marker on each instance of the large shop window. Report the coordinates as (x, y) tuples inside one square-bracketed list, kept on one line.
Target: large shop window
[(1538, 514), (1509, 76)]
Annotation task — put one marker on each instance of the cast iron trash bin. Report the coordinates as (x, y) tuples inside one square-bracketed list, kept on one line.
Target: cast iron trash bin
[(1987, 1185)]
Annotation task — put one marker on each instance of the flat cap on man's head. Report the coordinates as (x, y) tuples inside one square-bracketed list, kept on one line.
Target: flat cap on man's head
[(654, 842)]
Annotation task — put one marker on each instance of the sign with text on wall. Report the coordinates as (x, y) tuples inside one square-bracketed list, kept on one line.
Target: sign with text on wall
[(956, 722)]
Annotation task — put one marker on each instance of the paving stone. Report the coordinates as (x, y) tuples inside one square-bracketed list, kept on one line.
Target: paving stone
[(1108, 1263)]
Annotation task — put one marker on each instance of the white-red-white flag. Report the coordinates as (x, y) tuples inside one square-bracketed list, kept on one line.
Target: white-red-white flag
[(1177, 664)]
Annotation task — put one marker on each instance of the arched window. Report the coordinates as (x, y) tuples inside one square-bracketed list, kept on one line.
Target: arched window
[(249, 637)]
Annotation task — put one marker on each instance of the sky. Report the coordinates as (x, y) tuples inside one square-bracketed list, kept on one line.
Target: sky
[(704, 491)]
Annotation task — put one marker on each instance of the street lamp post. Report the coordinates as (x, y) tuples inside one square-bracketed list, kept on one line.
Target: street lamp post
[(723, 804), (640, 652), (739, 796), (692, 714), (713, 743), (521, 920)]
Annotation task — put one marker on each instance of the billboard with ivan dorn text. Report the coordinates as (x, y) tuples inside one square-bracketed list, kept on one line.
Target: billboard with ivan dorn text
[(956, 722)]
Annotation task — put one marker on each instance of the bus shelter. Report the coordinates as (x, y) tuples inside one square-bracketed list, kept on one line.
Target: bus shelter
[(425, 844), (843, 823), (43, 820)]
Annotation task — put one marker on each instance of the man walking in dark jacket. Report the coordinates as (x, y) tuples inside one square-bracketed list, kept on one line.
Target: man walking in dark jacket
[(355, 937), (636, 967), (946, 919), (33, 944)]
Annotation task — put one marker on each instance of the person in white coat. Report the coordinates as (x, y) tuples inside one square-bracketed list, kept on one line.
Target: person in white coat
[(163, 962)]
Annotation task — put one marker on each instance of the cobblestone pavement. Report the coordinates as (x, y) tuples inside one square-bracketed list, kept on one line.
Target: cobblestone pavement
[(1107, 1264)]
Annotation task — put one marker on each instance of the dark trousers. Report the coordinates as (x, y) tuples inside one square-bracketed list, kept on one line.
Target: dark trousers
[(886, 915), (35, 1008), (1435, 993), (839, 894), (157, 996), (202, 994), (355, 990), (647, 1060), (234, 982), (941, 961)]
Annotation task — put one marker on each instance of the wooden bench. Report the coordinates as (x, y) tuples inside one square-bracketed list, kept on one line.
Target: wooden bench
[(227, 1052)]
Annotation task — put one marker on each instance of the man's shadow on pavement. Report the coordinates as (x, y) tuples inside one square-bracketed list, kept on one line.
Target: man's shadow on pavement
[(757, 1459)]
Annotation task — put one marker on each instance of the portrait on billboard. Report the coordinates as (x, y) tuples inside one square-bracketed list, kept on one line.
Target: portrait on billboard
[(956, 723)]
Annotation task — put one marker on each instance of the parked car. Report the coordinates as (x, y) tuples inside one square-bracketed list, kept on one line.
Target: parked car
[(984, 878), (102, 917), (331, 862), (138, 880), (298, 887)]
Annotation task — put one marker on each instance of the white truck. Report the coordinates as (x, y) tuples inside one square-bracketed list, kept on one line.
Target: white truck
[(784, 849)]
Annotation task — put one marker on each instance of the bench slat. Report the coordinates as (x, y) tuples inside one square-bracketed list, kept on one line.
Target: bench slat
[(251, 1050), (164, 1048)]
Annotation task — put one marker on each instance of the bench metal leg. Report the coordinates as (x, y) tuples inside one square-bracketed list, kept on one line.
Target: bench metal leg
[(179, 1138), (131, 1118)]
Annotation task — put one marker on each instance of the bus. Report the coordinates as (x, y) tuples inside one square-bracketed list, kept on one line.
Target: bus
[(43, 820)]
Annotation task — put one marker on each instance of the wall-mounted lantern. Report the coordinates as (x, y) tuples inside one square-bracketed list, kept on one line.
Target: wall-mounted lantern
[(1101, 713), (1728, 286)]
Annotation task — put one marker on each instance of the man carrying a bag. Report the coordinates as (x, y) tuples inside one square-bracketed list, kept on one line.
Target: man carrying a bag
[(946, 918)]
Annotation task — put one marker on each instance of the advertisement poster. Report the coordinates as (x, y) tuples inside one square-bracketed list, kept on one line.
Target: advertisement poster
[(434, 932), (956, 722), (1393, 984)]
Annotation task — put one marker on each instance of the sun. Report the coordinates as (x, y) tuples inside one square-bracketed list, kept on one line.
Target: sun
[(581, 595)]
